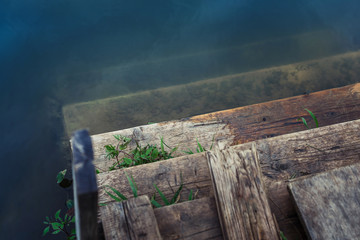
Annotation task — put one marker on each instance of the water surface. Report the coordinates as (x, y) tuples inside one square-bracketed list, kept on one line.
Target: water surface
[(52, 53)]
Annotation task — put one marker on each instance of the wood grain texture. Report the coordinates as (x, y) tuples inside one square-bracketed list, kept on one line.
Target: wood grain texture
[(165, 174), (241, 125), (329, 203), (195, 219), (140, 219), (181, 134), (114, 221), (299, 154), (281, 158), (242, 203)]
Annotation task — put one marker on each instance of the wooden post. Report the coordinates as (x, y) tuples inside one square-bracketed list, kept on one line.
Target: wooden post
[(85, 187), (242, 204)]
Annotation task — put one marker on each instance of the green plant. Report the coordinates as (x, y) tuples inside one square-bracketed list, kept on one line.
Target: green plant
[(312, 116), (62, 181), (61, 224), (120, 197), (174, 199), (140, 155), (282, 236), (199, 147)]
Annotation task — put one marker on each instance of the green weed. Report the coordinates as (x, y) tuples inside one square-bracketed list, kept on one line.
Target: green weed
[(60, 224), (282, 236), (312, 116), (199, 147), (119, 197), (140, 155)]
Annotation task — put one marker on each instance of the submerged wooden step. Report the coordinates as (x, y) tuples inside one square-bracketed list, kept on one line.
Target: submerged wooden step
[(158, 71), (328, 203), (281, 158), (213, 94), (240, 125)]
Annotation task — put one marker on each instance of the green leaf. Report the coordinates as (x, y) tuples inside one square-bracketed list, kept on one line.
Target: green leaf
[(162, 146), (304, 122), (313, 117), (132, 184), (69, 203), (47, 218), (191, 197), (102, 204), (173, 150), (97, 171), (56, 225), (120, 196), (189, 152), (282, 236), (200, 148), (155, 203), (61, 176), (57, 214), (46, 230), (177, 193), (73, 219), (162, 195), (117, 137), (212, 142), (56, 232), (128, 161), (148, 151)]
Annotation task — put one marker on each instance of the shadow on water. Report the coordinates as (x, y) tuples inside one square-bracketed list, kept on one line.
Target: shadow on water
[(59, 52)]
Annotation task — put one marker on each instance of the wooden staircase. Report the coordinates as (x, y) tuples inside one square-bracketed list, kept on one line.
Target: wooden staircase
[(242, 183)]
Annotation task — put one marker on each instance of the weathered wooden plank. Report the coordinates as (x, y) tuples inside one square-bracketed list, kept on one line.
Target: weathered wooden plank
[(303, 153), (241, 125), (329, 203), (131, 219), (114, 221), (85, 187), (242, 204), (281, 158), (195, 219), (165, 174), (140, 218), (214, 94)]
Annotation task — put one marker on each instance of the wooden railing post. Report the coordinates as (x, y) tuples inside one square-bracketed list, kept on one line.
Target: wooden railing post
[(85, 187)]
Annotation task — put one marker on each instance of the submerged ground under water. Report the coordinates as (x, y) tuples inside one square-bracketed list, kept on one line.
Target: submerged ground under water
[(54, 53)]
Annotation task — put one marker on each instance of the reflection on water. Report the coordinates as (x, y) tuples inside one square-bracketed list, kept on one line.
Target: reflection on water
[(58, 52)]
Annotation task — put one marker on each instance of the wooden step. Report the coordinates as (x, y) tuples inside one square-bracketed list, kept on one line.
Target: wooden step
[(213, 94), (241, 202), (240, 125), (281, 158), (195, 219), (328, 203), (158, 71)]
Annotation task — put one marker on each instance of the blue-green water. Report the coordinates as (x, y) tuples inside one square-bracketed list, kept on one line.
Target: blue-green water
[(51, 51)]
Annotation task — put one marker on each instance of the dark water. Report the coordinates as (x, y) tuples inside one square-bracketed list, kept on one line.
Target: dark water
[(49, 49)]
